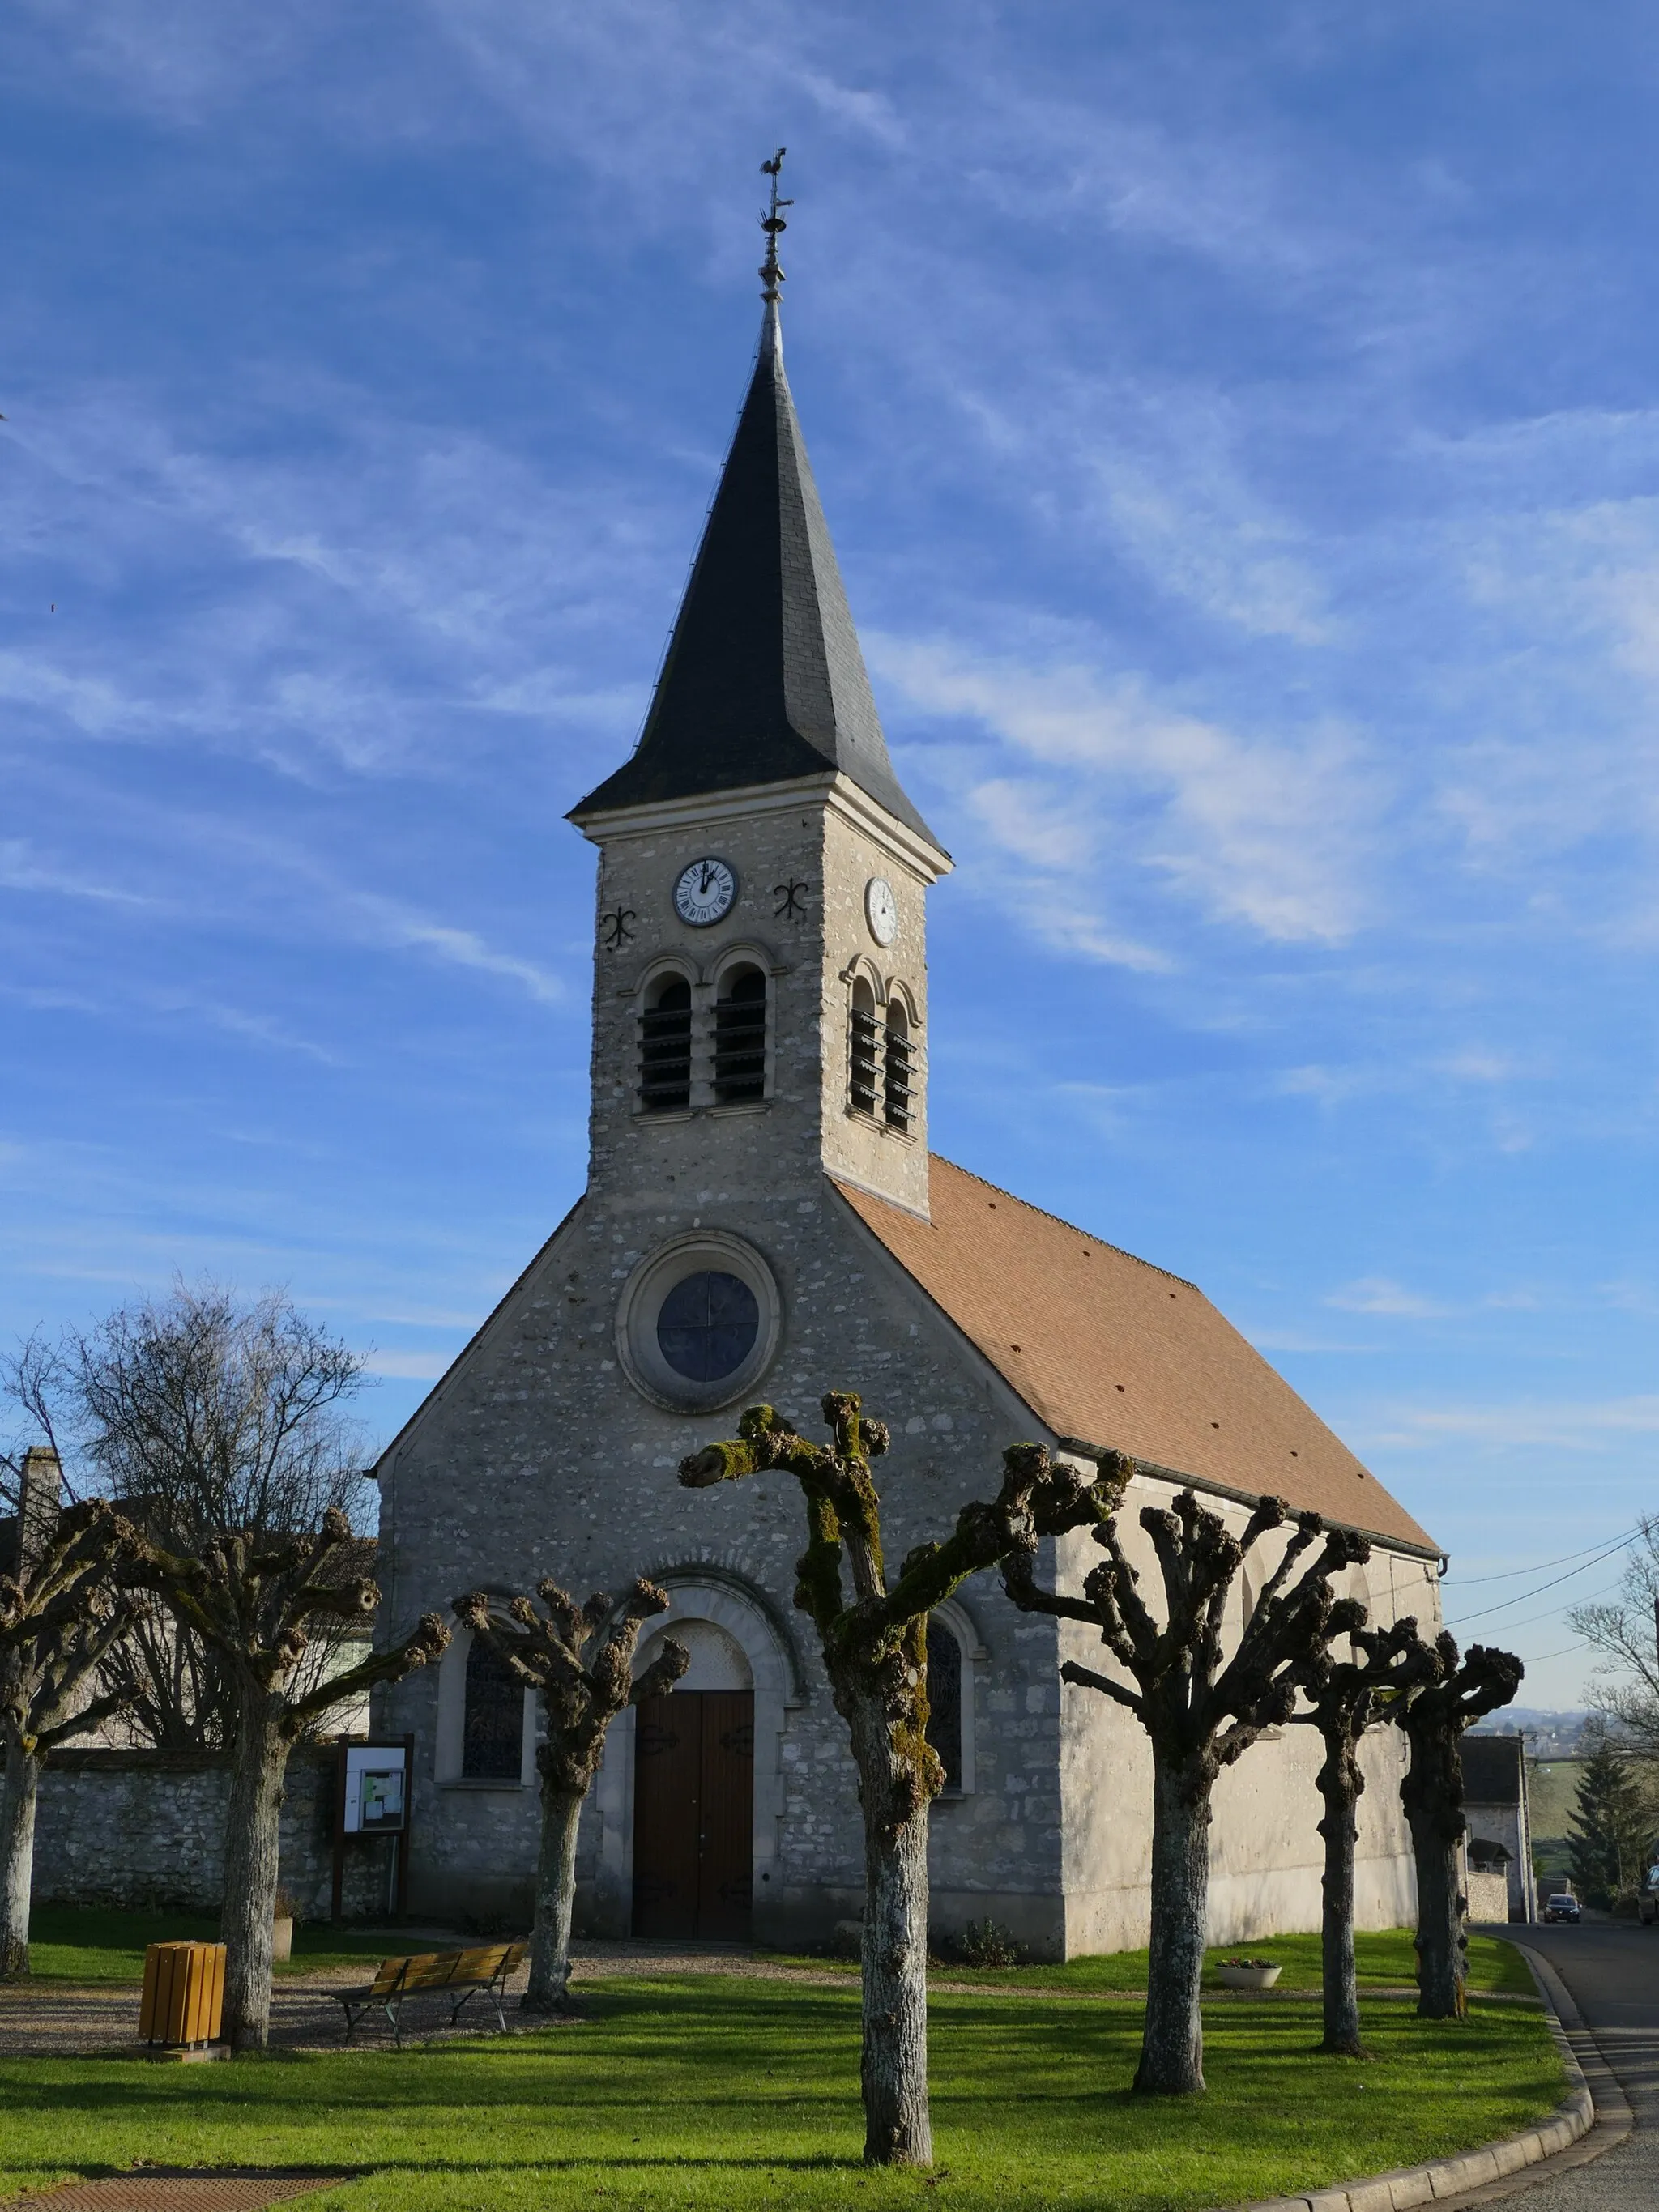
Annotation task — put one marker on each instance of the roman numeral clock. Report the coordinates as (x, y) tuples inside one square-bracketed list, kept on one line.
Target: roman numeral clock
[(704, 891)]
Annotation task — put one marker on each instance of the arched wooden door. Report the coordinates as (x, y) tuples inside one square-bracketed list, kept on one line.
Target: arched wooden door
[(694, 1811)]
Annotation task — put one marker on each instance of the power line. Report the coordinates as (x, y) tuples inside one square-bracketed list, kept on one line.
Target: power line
[(1504, 1604), (1550, 1611), (1538, 1567)]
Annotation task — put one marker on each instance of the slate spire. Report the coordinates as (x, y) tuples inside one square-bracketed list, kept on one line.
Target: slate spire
[(763, 681)]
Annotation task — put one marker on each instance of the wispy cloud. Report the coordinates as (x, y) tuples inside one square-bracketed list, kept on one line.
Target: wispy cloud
[(461, 948), (20, 871), (409, 1366), (1271, 832), (1587, 1426), (1376, 1294)]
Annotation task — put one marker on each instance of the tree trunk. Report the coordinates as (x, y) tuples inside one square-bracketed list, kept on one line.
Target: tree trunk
[(1172, 2045), (17, 1798), (897, 2130), (1339, 1784), (248, 1910), (1442, 1945), (555, 1893)]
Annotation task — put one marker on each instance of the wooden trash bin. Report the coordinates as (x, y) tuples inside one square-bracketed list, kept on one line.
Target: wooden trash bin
[(184, 1998)]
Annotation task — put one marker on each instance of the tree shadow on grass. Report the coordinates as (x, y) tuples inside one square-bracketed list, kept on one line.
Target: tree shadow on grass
[(91, 2170)]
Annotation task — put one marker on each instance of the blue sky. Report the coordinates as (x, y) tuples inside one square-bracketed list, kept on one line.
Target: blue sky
[(1239, 430)]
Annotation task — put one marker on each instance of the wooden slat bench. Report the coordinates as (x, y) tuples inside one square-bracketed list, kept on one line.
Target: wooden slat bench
[(457, 1975)]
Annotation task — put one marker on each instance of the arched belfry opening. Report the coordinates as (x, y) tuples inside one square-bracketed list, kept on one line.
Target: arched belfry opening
[(665, 1046), (740, 1038)]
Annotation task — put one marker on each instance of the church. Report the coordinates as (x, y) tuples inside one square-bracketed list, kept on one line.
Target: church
[(764, 1219)]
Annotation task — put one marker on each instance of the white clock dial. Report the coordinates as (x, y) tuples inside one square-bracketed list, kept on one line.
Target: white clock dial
[(881, 909), (704, 892)]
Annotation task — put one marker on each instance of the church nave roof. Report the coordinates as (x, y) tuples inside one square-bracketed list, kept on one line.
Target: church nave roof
[(1108, 1351)]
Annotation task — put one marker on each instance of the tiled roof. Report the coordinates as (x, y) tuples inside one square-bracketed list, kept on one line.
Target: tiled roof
[(763, 681), (1108, 1350)]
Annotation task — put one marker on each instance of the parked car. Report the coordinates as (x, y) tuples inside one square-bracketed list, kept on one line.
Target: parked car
[(1562, 1907), (1647, 1899)]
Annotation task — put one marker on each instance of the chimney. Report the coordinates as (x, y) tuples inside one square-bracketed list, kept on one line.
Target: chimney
[(40, 1502)]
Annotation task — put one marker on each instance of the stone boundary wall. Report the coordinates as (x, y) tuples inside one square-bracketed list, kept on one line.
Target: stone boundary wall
[(146, 1829)]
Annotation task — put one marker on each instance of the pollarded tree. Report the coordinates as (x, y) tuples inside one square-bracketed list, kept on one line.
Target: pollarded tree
[(874, 1641), (1200, 1709), (254, 1602), (59, 1617), (545, 1652), (1346, 1698), (1440, 1695)]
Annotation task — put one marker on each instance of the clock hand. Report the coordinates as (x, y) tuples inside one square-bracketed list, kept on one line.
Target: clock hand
[(707, 878)]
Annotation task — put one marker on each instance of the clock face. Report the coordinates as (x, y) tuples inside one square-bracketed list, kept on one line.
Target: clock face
[(881, 909), (704, 892)]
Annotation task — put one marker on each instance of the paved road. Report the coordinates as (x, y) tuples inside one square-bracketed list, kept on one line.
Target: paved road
[(1612, 1970)]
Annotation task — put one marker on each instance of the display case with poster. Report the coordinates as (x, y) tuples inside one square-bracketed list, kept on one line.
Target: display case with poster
[(371, 1800)]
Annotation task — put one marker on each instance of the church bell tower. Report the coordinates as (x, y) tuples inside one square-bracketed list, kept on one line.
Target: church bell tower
[(760, 998)]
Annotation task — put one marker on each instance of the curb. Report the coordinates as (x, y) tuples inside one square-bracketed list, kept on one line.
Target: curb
[(1478, 2176)]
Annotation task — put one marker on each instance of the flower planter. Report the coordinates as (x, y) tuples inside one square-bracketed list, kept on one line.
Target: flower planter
[(282, 1937), (1248, 1977)]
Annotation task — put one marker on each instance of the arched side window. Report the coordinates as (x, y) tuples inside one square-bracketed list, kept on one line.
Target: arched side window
[(492, 1726), (896, 1093), (740, 1038), (944, 1701), (665, 1046), (864, 1050)]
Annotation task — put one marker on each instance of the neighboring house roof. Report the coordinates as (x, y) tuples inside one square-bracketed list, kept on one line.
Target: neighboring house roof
[(1494, 1769), (763, 682), (1108, 1350)]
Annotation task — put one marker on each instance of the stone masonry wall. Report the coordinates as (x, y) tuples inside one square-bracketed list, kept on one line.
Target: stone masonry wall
[(137, 1828)]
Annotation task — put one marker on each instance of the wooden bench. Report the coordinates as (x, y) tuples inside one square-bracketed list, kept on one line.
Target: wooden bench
[(459, 1975)]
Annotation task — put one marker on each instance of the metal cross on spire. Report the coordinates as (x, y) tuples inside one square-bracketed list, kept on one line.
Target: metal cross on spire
[(772, 222)]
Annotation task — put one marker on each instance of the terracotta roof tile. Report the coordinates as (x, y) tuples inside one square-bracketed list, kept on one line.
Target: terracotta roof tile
[(1107, 1349)]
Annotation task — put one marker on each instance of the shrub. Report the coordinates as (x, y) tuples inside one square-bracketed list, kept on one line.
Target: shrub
[(989, 1943)]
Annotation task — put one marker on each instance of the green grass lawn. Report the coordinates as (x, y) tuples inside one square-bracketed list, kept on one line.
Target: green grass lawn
[(1385, 1959), (718, 2092), (75, 1943)]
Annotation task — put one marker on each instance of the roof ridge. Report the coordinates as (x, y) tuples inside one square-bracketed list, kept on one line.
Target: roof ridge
[(1104, 1243)]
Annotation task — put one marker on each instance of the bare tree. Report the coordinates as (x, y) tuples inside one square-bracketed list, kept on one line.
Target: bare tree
[(874, 1641), (197, 1413), (1624, 1632), (1439, 1695), (254, 1602), (58, 1617), (545, 1652), (1200, 1711), (1343, 1698)]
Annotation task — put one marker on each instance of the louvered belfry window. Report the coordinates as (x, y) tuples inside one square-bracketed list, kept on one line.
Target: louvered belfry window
[(665, 1049), (863, 1052), (881, 1060), (740, 1038), (895, 1070)]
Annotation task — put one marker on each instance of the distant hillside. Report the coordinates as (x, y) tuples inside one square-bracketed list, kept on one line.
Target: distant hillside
[(1549, 1734)]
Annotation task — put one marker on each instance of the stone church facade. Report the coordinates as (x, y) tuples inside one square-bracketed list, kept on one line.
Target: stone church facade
[(764, 1218)]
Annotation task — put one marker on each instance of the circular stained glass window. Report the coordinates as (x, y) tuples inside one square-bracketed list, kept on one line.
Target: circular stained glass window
[(706, 1326)]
